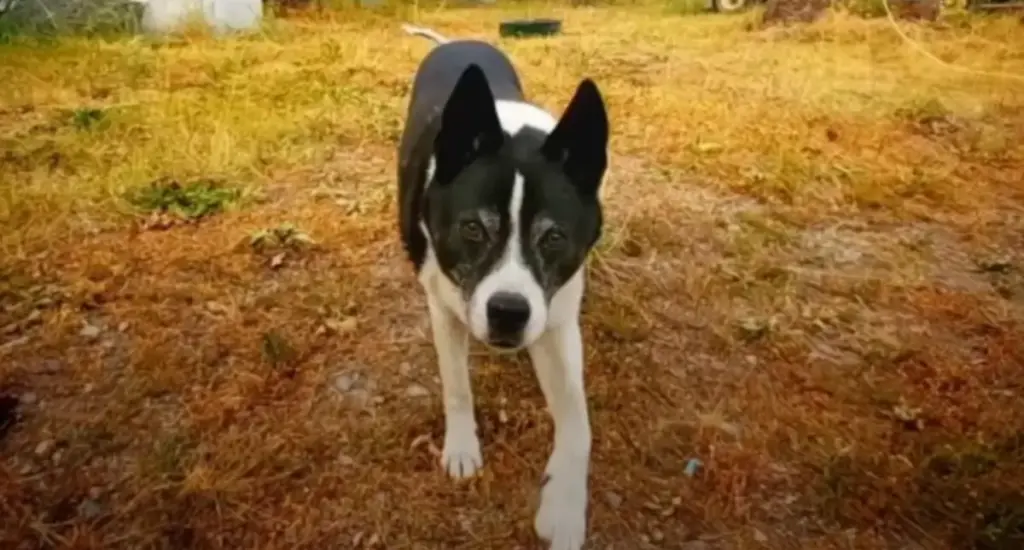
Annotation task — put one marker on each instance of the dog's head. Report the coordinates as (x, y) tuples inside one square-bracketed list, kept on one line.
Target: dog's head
[(513, 211)]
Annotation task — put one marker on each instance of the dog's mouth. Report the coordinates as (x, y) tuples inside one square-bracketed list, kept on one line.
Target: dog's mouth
[(504, 343)]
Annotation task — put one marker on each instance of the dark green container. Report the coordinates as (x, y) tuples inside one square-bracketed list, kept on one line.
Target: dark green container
[(521, 28)]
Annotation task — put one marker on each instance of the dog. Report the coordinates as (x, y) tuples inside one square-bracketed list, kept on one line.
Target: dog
[(498, 211)]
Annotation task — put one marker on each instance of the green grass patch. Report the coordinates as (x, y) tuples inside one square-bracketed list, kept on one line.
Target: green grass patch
[(189, 201)]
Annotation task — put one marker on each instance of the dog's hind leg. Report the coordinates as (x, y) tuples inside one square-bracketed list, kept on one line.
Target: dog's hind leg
[(558, 360), (461, 455)]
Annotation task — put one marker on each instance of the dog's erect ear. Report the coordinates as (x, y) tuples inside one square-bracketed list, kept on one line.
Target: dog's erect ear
[(469, 125), (580, 140)]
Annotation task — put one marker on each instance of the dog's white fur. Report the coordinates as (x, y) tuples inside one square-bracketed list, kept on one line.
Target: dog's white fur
[(555, 346)]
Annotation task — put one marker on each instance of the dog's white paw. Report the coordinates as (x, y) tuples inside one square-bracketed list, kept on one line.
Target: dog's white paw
[(562, 517), (461, 455)]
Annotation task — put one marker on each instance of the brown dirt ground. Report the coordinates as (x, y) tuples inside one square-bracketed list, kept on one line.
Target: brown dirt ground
[(816, 294)]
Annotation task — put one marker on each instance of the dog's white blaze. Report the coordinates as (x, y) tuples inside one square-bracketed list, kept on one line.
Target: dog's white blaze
[(516, 115), (510, 274)]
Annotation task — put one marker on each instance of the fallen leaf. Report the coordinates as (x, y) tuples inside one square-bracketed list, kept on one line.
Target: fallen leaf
[(419, 441), (33, 318), (44, 447), (216, 307), (752, 329), (342, 326), (416, 390), (909, 416), (709, 147), (158, 221), (90, 331), (424, 440)]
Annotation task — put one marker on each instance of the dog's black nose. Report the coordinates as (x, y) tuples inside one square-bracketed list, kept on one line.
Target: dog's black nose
[(507, 314)]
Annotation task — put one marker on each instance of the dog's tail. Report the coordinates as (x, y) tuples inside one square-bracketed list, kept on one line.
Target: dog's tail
[(425, 33)]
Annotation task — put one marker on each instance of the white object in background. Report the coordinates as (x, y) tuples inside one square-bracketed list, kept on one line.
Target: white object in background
[(232, 15), (162, 16)]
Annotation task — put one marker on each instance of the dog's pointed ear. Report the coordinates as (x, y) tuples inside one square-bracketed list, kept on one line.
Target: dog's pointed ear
[(469, 125), (580, 139)]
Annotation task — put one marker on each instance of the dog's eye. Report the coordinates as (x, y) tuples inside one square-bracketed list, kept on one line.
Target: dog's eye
[(553, 239), (472, 231)]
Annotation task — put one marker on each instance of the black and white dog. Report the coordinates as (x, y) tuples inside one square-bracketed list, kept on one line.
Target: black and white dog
[(498, 206)]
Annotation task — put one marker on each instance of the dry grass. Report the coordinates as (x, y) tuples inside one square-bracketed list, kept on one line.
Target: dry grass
[(811, 281)]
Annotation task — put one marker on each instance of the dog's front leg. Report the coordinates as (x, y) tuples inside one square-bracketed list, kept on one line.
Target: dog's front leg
[(461, 454), (558, 359)]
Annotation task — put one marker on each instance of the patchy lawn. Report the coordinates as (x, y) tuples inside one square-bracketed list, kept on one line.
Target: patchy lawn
[(811, 281)]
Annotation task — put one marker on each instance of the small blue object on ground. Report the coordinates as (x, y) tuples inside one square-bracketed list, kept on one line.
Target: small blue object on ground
[(692, 466)]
